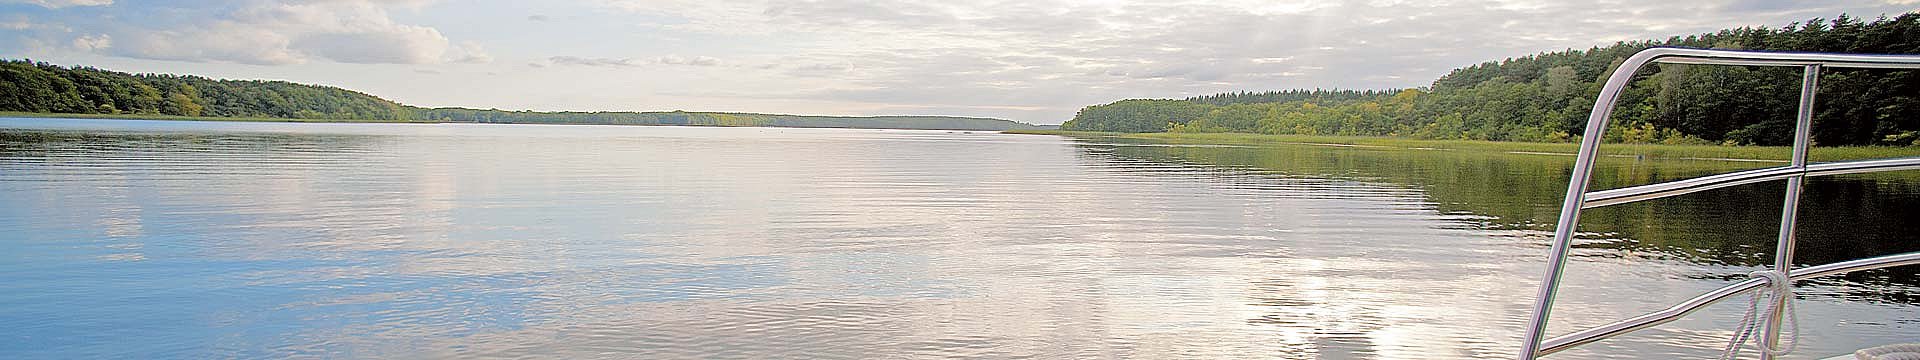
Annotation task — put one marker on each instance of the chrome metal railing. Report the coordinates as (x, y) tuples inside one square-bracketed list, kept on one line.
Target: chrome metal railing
[(1795, 173)]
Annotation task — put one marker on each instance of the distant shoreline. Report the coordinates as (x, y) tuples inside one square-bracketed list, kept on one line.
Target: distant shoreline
[(21, 114), (1760, 154), (196, 98)]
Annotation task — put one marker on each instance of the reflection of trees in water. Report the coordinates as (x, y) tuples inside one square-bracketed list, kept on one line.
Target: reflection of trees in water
[(37, 143), (1842, 218)]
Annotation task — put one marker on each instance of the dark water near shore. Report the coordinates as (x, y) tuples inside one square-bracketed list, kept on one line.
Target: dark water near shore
[(154, 239)]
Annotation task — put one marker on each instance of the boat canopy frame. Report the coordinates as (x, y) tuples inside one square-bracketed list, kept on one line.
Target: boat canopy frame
[(1578, 197)]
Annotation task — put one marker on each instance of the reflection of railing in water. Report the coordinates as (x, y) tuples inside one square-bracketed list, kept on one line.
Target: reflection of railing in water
[(1578, 198)]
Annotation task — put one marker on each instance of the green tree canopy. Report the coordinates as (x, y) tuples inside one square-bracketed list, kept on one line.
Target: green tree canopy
[(1547, 96)]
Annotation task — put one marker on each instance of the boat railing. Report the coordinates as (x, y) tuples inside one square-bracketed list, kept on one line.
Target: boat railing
[(1578, 197)]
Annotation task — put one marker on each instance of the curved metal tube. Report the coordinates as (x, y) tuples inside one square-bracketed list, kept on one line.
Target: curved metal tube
[(1577, 196), (1688, 186), (1769, 58), (1670, 314), (1577, 193)]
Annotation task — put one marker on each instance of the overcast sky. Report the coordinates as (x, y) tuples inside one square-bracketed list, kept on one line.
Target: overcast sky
[(1028, 60)]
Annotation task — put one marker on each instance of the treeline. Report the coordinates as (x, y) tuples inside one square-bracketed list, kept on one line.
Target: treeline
[(28, 86), (41, 87), (1315, 95), (1547, 96)]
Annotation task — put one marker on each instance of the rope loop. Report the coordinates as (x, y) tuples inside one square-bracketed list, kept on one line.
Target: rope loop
[(1779, 286)]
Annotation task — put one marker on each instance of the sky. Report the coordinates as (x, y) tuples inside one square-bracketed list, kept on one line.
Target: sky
[(1035, 61)]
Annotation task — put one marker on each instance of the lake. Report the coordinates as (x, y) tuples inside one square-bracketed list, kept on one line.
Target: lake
[(163, 239)]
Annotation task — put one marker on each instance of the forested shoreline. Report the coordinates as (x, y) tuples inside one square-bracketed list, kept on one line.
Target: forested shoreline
[(39, 87), (1546, 97)]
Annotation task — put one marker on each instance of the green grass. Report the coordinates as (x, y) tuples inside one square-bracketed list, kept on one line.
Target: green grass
[(18, 114), (1642, 150)]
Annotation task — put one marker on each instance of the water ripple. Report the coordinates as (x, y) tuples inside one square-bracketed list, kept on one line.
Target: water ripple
[(197, 240)]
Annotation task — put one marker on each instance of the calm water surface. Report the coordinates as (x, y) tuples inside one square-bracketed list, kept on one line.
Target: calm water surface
[(154, 239)]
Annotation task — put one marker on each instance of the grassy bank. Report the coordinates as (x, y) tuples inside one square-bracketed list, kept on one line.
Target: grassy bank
[(17, 114), (1778, 153)]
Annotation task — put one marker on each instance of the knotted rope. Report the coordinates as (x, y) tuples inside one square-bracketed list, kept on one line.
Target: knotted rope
[(1779, 286)]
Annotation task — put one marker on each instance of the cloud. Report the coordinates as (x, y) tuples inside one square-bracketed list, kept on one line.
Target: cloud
[(56, 4), (15, 22), (694, 61), (24, 24), (469, 52), (811, 70), (399, 45), (1059, 55), (629, 62), (276, 33), (1033, 60), (93, 42), (582, 61)]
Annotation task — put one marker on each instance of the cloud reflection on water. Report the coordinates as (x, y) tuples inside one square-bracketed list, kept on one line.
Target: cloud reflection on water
[(497, 241)]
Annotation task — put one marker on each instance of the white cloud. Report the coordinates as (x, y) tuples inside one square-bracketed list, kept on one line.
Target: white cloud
[(56, 4), (16, 22), (93, 42), (271, 33), (20, 22), (680, 60), (220, 42), (1031, 60), (1058, 55), (402, 45), (629, 62), (470, 53), (730, 17), (583, 61)]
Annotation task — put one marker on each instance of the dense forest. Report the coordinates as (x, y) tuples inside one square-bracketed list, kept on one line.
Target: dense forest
[(28, 86), (1547, 96), (40, 87)]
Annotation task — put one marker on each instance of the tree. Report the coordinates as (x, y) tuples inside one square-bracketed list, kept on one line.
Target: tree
[(1547, 96)]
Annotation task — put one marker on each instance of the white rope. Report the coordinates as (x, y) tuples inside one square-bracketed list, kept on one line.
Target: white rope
[(1778, 287)]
